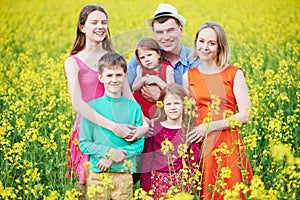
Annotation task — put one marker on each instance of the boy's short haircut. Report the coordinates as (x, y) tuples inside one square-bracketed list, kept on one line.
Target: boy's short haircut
[(112, 60)]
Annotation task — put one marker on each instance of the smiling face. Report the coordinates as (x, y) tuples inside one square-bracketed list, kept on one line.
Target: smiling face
[(95, 27), (173, 107), (206, 45), (112, 77), (148, 58), (168, 34)]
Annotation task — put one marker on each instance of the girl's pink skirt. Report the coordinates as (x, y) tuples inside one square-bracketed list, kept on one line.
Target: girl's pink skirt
[(75, 158)]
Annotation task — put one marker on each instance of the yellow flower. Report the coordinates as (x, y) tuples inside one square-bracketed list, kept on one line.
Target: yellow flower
[(235, 122), (128, 166), (88, 164), (222, 149), (76, 142), (183, 195), (166, 146), (280, 151), (71, 194), (160, 104), (225, 172), (182, 149), (52, 196), (93, 189), (105, 181), (141, 194), (215, 104)]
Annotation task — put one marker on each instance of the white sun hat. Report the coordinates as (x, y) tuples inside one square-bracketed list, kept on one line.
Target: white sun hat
[(164, 9)]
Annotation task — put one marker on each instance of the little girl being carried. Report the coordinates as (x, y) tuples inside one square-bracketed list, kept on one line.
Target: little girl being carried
[(152, 70)]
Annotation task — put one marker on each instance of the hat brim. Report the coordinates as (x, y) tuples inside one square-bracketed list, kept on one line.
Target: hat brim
[(180, 18)]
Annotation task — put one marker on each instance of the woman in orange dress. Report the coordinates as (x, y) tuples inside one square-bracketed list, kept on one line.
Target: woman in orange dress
[(219, 89)]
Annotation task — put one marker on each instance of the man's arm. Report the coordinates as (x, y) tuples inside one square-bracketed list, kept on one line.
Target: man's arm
[(151, 92)]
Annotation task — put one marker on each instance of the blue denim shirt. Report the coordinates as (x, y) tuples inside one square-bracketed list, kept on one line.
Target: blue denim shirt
[(184, 63)]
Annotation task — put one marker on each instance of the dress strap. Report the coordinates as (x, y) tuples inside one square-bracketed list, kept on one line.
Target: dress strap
[(79, 62)]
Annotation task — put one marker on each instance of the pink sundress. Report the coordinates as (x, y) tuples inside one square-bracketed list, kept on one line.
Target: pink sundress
[(91, 88)]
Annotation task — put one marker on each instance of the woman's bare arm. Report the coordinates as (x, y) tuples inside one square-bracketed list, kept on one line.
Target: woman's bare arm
[(80, 106), (240, 91)]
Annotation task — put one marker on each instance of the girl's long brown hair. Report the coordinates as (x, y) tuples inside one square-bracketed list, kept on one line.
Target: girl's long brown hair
[(80, 40)]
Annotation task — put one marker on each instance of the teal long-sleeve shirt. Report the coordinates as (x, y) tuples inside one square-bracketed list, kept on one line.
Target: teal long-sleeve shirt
[(96, 140)]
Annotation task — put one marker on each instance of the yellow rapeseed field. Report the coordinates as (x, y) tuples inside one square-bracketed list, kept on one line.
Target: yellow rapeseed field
[(36, 116)]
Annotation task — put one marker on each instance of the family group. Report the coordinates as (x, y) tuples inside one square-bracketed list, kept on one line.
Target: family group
[(131, 126)]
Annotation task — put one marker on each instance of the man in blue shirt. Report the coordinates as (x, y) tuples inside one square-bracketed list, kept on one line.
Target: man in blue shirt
[(167, 26)]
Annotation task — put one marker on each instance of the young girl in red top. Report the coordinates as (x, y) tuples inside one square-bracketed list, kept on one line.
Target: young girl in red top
[(152, 69)]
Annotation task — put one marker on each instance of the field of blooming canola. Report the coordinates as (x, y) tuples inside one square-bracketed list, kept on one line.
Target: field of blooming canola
[(36, 116)]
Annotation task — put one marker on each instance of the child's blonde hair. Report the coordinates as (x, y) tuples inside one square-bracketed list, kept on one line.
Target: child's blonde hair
[(173, 89)]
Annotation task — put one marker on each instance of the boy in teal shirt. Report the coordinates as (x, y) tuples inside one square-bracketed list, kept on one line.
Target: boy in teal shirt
[(106, 150)]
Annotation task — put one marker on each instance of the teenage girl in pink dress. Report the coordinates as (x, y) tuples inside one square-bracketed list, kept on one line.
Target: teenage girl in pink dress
[(91, 43)]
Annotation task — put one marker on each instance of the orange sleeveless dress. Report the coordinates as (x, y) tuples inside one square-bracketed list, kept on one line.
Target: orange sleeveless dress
[(222, 155)]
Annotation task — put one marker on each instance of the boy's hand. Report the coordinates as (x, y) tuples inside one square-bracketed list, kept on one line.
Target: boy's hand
[(117, 155), (104, 164)]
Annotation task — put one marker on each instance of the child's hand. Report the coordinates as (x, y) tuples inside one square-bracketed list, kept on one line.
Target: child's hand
[(117, 155), (153, 79), (143, 80), (104, 164)]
